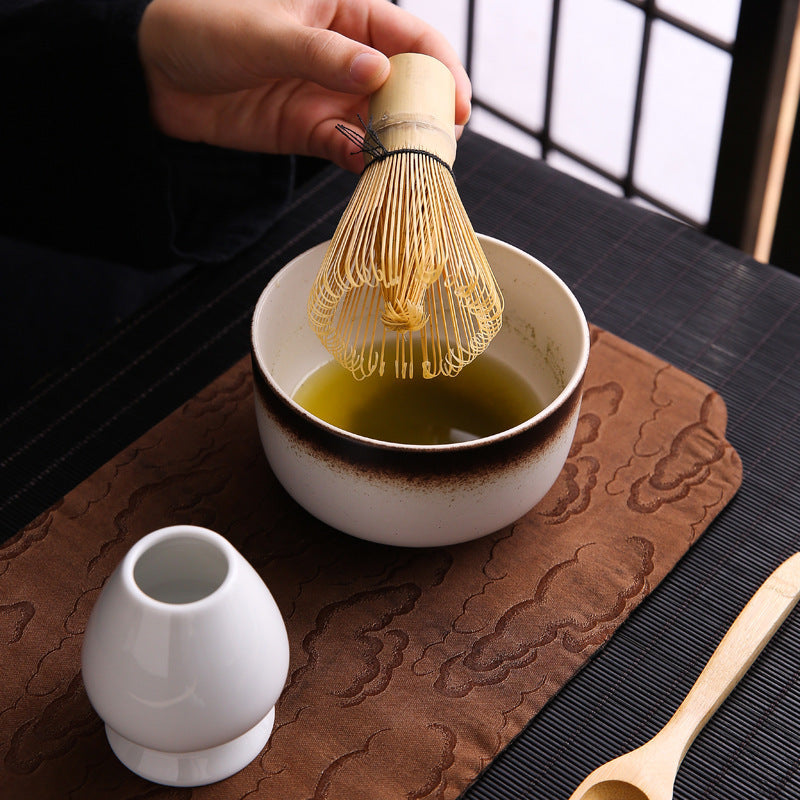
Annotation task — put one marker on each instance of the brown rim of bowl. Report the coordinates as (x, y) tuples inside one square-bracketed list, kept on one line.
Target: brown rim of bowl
[(575, 381)]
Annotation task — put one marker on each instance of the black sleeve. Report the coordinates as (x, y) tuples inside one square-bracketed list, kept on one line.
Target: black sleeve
[(82, 168)]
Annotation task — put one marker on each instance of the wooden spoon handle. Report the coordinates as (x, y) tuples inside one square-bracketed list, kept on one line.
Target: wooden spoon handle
[(739, 648)]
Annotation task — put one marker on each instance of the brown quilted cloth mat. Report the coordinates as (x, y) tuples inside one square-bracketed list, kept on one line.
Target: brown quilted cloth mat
[(411, 669)]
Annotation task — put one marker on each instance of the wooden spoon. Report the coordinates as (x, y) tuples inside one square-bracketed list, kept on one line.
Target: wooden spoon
[(648, 773)]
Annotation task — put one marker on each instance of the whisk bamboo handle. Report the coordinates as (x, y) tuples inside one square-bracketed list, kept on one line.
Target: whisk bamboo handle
[(416, 106)]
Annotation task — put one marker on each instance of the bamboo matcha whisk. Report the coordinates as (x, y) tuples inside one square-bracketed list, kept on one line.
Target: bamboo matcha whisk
[(404, 277)]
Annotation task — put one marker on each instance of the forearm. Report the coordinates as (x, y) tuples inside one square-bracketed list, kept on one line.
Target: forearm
[(75, 117), (84, 168)]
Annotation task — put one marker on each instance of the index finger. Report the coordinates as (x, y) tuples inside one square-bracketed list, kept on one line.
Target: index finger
[(392, 30)]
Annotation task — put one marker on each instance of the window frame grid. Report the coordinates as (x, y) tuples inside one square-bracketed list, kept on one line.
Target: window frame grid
[(759, 58), (626, 182)]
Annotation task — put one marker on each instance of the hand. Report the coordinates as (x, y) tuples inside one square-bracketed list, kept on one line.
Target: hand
[(278, 75)]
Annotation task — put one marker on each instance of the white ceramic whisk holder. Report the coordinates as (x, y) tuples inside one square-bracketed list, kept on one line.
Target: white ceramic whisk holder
[(184, 658)]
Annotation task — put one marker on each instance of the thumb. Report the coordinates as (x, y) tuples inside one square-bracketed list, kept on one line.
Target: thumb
[(333, 61)]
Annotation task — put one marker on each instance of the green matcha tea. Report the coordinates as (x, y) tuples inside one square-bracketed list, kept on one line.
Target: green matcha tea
[(485, 398)]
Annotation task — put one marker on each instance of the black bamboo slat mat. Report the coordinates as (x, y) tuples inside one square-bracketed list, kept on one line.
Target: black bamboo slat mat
[(701, 305)]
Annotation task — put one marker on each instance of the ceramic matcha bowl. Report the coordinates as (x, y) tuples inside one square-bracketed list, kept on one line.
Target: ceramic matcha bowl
[(420, 495)]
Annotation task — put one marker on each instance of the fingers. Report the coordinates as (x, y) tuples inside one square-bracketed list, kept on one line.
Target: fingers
[(329, 59), (392, 30), (348, 51), (263, 74), (368, 70)]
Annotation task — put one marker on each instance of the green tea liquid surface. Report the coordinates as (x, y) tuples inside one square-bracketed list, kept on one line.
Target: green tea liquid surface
[(485, 398)]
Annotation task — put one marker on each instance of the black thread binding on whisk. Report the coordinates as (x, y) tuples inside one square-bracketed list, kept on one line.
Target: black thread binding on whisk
[(371, 144)]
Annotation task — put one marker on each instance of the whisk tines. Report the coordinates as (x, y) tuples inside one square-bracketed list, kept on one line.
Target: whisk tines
[(405, 278)]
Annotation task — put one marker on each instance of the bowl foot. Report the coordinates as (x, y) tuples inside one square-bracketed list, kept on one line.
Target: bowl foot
[(195, 768)]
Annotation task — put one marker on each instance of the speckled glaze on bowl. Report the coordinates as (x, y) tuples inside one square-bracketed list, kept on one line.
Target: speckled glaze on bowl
[(417, 495)]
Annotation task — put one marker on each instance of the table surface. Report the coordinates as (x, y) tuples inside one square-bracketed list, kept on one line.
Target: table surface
[(699, 304)]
